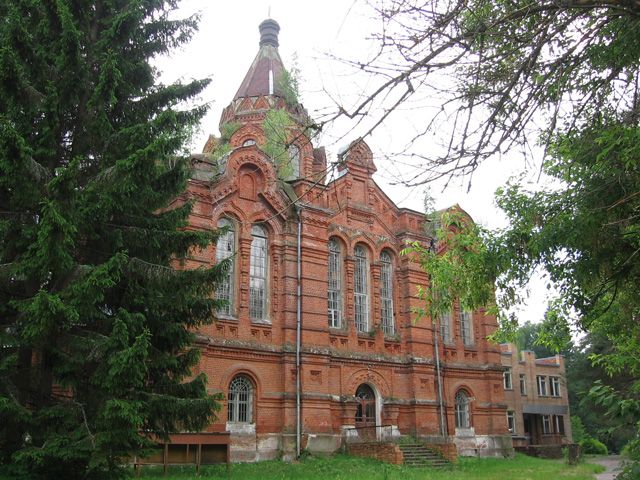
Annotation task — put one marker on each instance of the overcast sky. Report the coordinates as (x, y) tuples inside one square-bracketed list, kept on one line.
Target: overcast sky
[(314, 33)]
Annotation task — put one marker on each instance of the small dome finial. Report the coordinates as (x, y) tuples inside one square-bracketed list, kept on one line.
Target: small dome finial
[(269, 32)]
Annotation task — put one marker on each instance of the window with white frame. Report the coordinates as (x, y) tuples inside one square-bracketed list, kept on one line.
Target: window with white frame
[(466, 327), (542, 385), (386, 293), (462, 410), (554, 384), (546, 424), (334, 294), (225, 249), (523, 384), (511, 422), (240, 400), (258, 274), (361, 289), (507, 380), (445, 327), (558, 421)]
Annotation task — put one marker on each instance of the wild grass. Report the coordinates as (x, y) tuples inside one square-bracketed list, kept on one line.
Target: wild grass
[(343, 467)]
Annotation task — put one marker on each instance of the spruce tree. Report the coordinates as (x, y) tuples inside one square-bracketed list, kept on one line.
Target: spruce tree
[(96, 322)]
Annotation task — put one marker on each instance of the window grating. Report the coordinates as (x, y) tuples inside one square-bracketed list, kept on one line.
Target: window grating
[(386, 293), (240, 404), (361, 290), (258, 274), (334, 287), (463, 418), (225, 249)]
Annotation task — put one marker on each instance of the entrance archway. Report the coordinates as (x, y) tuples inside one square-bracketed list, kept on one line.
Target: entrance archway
[(366, 411)]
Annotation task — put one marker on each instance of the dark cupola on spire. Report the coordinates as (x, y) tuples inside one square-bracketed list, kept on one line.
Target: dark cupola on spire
[(269, 30)]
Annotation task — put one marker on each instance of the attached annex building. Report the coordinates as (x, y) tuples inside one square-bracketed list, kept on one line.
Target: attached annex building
[(318, 326), (537, 398)]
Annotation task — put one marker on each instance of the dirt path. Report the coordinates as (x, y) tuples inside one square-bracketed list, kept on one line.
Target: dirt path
[(613, 465)]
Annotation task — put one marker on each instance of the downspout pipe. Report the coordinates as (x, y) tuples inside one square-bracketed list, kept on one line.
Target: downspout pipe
[(436, 334), (298, 332)]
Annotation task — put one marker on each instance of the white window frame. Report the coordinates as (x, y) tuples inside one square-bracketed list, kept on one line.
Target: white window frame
[(225, 250), (554, 386), (334, 281), (511, 422), (258, 268), (558, 424), (541, 380), (361, 289), (507, 379), (523, 384), (386, 294), (240, 400)]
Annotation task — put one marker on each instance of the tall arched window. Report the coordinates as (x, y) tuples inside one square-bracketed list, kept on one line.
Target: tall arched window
[(225, 249), (240, 400), (361, 289), (463, 415), (334, 294), (258, 274), (386, 293)]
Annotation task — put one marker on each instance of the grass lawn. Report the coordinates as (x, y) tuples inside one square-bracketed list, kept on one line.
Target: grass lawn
[(353, 468)]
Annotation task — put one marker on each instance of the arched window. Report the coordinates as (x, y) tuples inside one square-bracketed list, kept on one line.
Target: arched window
[(258, 274), (294, 161), (361, 289), (386, 293), (463, 414), (240, 404), (248, 142), (334, 294), (225, 249)]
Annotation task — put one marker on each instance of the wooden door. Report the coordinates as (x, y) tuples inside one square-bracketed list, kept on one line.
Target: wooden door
[(366, 412)]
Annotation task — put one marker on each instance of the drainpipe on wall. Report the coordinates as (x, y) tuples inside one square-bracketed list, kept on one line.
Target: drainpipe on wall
[(298, 332), (436, 334)]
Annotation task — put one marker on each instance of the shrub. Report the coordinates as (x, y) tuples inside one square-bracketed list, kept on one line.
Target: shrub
[(632, 450), (591, 445)]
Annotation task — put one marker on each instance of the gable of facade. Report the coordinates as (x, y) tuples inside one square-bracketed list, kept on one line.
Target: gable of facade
[(318, 342)]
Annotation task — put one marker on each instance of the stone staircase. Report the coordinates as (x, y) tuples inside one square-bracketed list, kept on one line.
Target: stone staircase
[(417, 455)]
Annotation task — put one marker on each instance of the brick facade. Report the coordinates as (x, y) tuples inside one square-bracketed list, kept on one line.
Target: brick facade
[(345, 205), (537, 397)]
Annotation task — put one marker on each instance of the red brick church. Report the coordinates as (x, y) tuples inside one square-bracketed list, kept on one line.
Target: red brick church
[(317, 345)]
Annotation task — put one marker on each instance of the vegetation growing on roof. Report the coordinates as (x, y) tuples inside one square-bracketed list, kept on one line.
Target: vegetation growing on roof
[(289, 83), (277, 131)]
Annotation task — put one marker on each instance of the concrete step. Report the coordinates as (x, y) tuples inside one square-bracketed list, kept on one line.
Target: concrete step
[(417, 455)]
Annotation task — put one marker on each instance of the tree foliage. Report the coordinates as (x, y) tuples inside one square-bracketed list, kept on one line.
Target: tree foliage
[(496, 76), (456, 264), (96, 327)]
